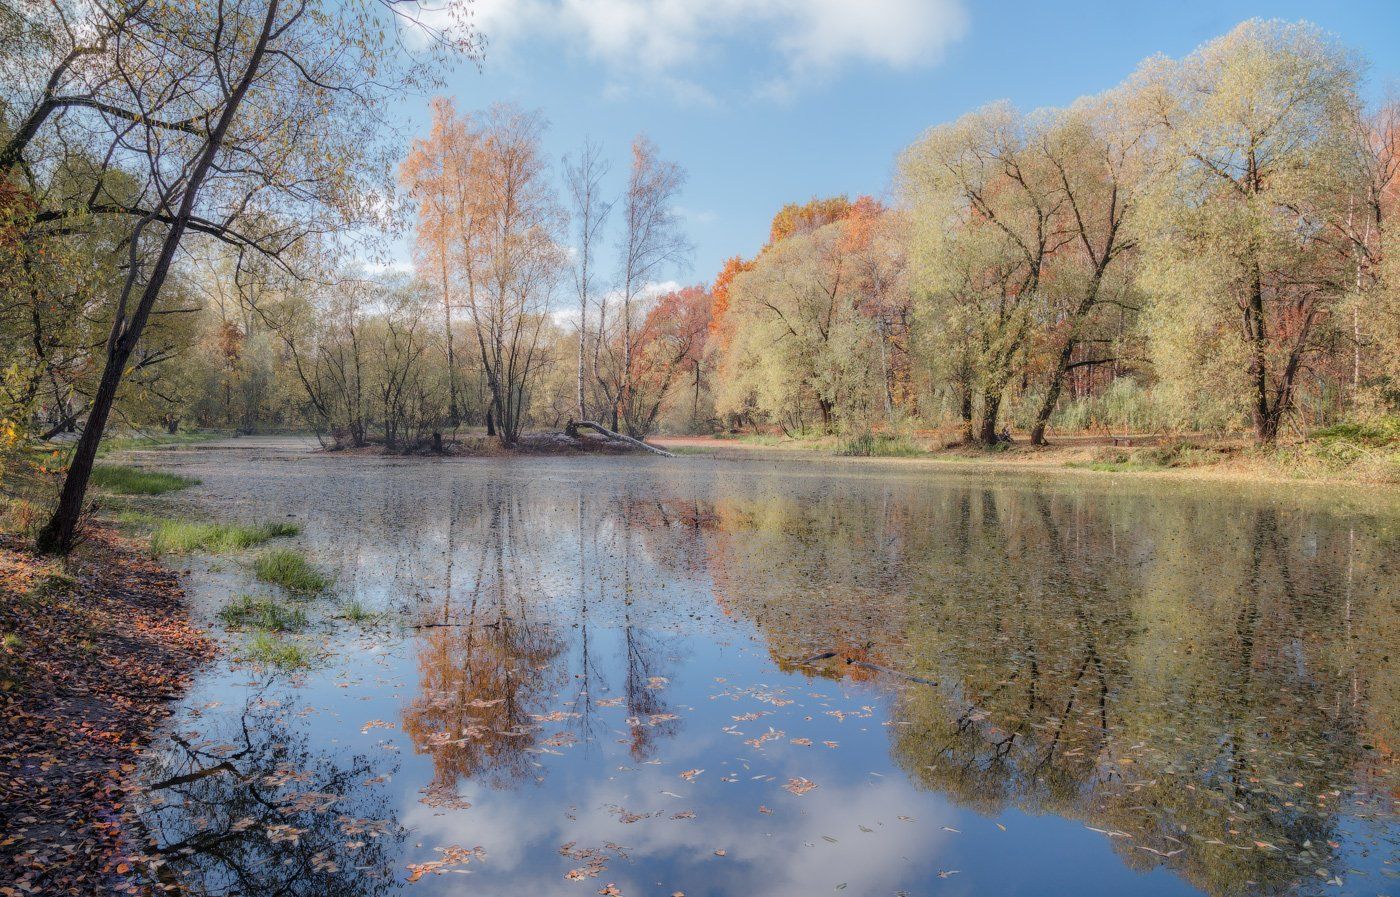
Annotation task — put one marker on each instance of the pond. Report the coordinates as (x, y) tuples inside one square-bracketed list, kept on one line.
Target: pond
[(616, 676)]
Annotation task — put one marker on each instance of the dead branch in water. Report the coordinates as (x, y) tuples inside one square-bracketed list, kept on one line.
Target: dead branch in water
[(865, 664), (573, 427)]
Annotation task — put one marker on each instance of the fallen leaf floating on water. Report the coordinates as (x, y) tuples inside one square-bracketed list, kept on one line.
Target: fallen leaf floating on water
[(610, 890), (451, 856), (766, 811), (799, 785), (690, 774), (720, 852), (947, 873)]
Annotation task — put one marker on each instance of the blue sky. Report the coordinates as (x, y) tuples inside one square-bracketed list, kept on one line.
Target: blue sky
[(770, 101)]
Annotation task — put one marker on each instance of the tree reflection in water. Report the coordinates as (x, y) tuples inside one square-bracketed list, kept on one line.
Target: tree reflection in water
[(1191, 676), (1195, 679), (249, 809), (496, 654)]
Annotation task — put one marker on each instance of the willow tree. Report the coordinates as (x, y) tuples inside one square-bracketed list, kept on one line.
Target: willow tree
[(1244, 286), (1099, 154), (801, 348), (987, 213)]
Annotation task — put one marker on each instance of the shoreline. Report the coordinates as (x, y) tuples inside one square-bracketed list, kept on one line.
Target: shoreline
[(1066, 458), (97, 649)]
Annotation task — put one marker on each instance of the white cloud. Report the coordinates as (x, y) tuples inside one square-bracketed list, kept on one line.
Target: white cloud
[(654, 41), (377, 267)]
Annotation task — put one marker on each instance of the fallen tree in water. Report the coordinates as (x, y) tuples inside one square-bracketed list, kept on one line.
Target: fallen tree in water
[(573, 428)]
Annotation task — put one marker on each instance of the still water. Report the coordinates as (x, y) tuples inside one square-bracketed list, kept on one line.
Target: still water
[(612, 676)]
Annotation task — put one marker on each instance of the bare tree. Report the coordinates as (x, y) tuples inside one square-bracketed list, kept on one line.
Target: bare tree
[(590, 215), (651, 240)]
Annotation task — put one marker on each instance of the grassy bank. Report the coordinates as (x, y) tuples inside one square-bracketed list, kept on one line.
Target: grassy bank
[(1353, 453)]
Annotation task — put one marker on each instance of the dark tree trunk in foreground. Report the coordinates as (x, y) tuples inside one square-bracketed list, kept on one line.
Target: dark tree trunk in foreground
[(59, 533)]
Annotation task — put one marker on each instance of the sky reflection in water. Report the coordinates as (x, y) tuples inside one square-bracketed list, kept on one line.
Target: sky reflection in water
[(589, 674)]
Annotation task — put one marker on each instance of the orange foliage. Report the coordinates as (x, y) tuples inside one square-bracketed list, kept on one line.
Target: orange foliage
[(800, 218), (733, 267)]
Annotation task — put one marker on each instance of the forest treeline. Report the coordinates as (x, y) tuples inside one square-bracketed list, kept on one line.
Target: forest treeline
[(1206, 246)]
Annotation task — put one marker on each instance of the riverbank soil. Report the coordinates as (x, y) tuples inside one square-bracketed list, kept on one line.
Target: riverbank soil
[(92, 651), (477, 445)]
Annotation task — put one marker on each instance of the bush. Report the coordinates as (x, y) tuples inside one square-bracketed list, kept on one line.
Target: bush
[(290, 570), (124, 480), (1381, 432), (182, 537), (878, 445)]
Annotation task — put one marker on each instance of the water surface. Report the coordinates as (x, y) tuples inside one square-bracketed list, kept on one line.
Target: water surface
[(596, 676)]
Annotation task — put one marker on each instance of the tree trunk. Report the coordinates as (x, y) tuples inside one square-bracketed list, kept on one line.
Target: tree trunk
[(58, 535), (991, 407), (1265, 418), (1052, 393)]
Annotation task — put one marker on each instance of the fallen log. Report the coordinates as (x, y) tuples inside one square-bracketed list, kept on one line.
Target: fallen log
[(573, 427)]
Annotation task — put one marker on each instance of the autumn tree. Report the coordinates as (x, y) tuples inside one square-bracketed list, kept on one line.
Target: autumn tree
[(438, 175), (802, 350), (670, 352), (514, 260)]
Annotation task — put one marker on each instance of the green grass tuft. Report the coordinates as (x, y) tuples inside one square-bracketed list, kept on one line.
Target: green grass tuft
[(290, 570), (356, 612), (124, 480), (183, 537), (274, 651), (266, 614)]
